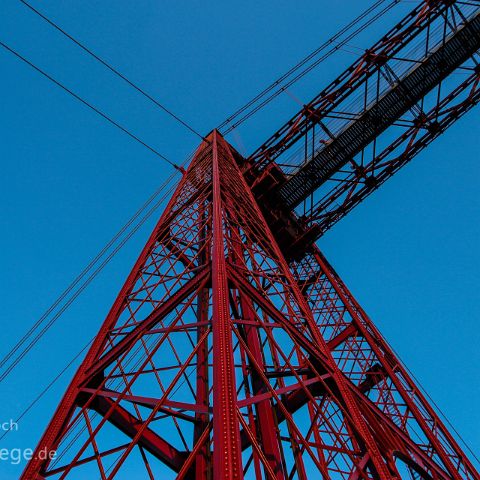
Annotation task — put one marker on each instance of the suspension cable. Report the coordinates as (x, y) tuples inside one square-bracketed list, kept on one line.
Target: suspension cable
[(269, 93), (42, 393), (89, 105), (17, 352), (48, 387), (82, 274), (113, 69)]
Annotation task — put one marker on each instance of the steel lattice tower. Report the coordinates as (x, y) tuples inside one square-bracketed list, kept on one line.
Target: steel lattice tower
[(220, 360), (234, 350)]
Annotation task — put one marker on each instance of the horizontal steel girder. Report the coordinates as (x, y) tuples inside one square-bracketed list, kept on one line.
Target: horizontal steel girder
[(402, 96)]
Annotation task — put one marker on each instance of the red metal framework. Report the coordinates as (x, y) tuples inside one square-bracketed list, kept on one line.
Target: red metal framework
[(233, 349), (355, 182), (221, 360), (402, 93)]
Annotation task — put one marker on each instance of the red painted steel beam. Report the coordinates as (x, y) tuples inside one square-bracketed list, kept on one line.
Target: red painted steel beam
[(227, 454), (121, 347), (148, 439), (267, 423)]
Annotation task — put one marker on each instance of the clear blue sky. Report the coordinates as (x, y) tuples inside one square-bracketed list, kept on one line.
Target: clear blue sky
[(70, 180)]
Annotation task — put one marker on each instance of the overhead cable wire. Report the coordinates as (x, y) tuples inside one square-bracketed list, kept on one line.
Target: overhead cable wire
[(113, 69), (47, 387), (269, 93), (82, 287), (305, 60), (89, 105), (82, 274), (17, 352)]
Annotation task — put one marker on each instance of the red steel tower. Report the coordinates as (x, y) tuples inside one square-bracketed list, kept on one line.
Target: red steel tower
[(220, 360), (234, 350)]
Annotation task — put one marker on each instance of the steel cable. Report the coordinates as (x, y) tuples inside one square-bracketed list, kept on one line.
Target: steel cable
[(112, 69), (254, 102), (89, 105), (10, 366)]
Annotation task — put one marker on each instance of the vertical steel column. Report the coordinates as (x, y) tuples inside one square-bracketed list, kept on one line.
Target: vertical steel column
[(227, 461), (267, 426), (202, 460)]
